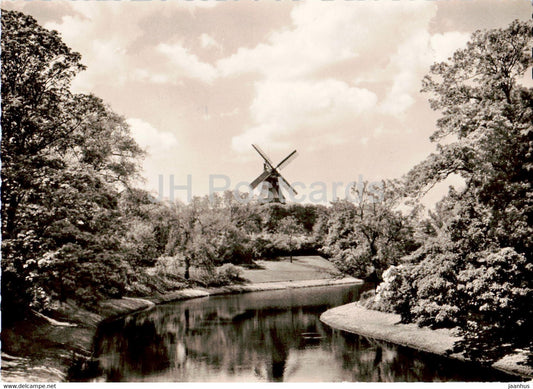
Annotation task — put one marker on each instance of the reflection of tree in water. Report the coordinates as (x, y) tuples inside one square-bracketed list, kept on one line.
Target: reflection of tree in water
[(240, 337), (368, 360), (134, 348), (227, 339), (371, 360), (256, 340)]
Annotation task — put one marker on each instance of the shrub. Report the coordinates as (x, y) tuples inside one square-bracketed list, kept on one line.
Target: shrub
[(169, 265), (229, 273), (423, 293), (226, 274), (396, 292), (496, 293), (353, 261)]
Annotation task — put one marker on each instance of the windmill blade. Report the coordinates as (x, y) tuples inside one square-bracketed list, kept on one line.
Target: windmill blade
[(288, 185), (287, 160), (260, 179), (263, 154)]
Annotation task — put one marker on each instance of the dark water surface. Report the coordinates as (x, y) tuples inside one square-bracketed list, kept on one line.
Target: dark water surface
[(262, 336)]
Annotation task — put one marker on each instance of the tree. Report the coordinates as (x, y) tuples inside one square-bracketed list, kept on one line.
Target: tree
[(489, 113), (64, 159), (289, 226), (475, 269), (367, 236)]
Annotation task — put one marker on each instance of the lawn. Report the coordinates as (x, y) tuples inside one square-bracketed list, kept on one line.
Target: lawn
[(302, 268)]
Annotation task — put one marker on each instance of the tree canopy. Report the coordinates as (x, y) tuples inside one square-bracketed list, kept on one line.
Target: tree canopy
[(475, 267), (65, 159)]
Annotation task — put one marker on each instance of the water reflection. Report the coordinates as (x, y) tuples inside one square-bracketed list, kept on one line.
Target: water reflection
[(266, 336)]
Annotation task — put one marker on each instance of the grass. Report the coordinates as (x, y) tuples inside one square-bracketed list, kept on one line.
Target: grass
[(312, 267)]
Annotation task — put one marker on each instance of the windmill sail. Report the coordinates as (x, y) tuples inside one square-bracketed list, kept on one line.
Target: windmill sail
[(260, 179), (263, 154), (289, 186), (287, 160), (272, 178)]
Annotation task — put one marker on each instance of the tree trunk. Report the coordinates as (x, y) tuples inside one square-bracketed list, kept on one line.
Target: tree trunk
[(187, 268), (290, 248)]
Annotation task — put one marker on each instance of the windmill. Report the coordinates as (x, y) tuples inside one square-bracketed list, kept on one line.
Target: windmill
[(272, 176)]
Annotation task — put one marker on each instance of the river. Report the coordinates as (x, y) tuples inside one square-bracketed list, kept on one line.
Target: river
[(262, 336)]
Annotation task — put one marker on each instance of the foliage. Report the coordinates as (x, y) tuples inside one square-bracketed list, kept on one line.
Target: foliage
[(73, 227), (474, 268), (64, 159), (230, 273), (363, 238), (289, 227), (496, 290), (226, 274)]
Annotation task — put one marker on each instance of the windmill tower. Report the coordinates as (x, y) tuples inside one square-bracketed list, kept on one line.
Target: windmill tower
[(272, 178)]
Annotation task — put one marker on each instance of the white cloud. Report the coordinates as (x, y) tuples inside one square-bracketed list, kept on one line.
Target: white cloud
[(406, 64), (231, 113), (444, 45), (284, 107), (187, 64), (149, 137), (412, 58), (323, 33), (104, 49), (207, 42), (291, 95), (103, 53)]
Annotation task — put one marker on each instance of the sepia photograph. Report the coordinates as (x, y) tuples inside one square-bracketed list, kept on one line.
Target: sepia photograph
[(219, 191)]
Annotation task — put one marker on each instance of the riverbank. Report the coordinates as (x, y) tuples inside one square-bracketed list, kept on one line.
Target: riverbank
[(44, 349), (386, 326)]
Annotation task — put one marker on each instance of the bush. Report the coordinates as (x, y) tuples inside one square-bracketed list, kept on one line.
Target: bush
[(488, 297), (277, 245), (421, 293), (169, 266), (395, 293), (226, 274), (496, 293), (353, 261), (230, 273)]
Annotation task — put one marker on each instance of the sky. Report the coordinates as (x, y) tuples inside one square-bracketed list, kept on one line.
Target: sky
[(200, 81)]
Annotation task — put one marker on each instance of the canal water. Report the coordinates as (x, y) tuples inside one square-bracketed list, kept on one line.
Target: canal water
[(262, 336)]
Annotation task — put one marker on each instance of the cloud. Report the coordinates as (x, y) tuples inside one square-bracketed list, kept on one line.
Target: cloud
[(207, 42), (231, 113), (106, 51), (295, 90), (323, 33), (103, 50), (444, 45), (187, 64), (412, 58), (282, 108), (149, 137)]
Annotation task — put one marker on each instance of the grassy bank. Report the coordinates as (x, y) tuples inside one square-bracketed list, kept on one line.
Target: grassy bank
[(386, 326), (42, 349)]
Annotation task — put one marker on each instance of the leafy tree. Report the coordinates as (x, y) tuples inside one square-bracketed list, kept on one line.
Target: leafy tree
[(64, 159), (205, 236), (147, 227), (367, 236), (184, 235), (289, 226), (475, 268)]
